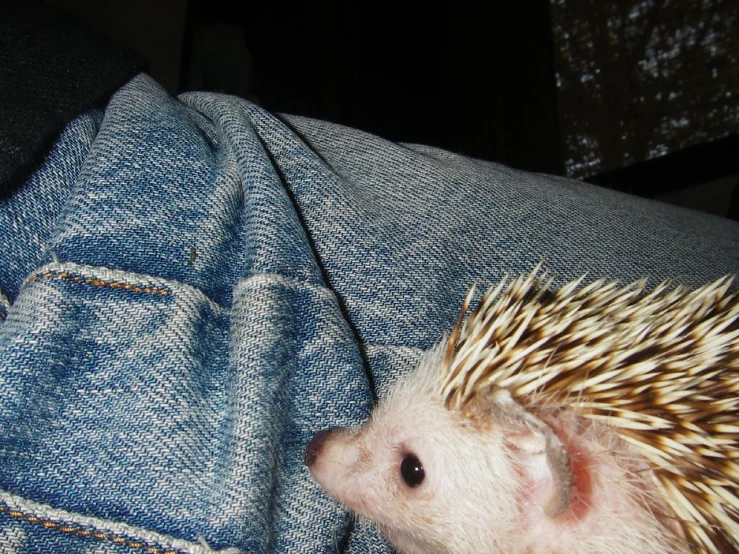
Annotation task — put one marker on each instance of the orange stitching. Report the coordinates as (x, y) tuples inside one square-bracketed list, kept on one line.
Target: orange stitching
[(98, 283), (84, 533)]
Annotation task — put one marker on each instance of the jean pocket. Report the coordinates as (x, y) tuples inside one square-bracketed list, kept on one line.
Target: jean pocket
[(113, 396)]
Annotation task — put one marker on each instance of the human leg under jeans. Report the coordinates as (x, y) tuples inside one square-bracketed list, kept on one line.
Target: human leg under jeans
[(193, 288)]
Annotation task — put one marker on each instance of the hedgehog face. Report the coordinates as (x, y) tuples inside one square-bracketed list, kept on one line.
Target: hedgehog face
[(435, 480), (408, 468)]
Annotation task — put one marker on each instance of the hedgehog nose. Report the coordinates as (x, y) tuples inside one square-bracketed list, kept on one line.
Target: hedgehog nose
[(315, 445)]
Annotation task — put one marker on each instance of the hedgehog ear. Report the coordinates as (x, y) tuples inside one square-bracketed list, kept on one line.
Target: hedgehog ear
[(539, 452)]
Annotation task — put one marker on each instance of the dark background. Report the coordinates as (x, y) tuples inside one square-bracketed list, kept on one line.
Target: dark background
[(478, 80)]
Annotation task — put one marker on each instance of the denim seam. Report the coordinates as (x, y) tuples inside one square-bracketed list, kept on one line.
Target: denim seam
[(259, 279), (11, 506), (245, 283), (63, 273), (98, 283), (136, 282), (103, 277), (66, 528)]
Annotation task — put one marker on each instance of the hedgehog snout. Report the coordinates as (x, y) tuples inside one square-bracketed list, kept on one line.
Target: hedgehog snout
[(315, 446)]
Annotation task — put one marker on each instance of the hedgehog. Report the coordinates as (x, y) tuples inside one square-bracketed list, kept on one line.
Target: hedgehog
[(599, 418)]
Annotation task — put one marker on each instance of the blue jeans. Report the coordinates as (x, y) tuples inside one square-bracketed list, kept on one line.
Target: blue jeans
[(191, 288)]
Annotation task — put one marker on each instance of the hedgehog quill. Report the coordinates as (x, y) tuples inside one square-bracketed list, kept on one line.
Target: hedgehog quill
[(599, 418)]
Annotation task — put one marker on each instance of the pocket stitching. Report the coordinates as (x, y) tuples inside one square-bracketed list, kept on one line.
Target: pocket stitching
[(70, 529), (99, 283)]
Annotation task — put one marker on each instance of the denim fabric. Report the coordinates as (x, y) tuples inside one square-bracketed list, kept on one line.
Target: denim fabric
[(193, 287)]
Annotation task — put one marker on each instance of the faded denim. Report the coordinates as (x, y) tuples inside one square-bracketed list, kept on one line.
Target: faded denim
[(191, 288)]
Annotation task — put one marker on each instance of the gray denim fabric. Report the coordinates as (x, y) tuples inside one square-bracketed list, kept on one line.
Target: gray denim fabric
[(191, 288)]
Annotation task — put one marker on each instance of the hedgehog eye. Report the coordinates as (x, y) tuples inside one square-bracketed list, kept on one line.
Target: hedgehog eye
[(411, 470)]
